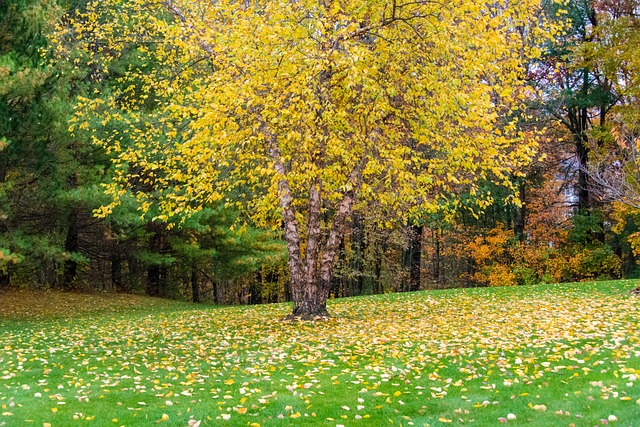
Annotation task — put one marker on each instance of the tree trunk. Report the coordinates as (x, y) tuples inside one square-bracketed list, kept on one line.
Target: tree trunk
[(311, 285), (378, 288), (5, 280), (582, 152), (153, 281), (310, 277), (156, 273), (195, 286), (116, 271), (415, 259), (360, 246), (214, 291), (436, 258), (521, 213), (71, 246)]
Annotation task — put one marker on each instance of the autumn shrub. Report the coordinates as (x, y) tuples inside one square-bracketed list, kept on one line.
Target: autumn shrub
[(526, 276), (492, 255), (597, 263), (497, 275)]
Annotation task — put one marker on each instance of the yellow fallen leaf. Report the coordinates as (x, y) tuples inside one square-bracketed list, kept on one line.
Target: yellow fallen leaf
[(397, 393), (444, 420), (229, 382), (254, 425), (164, 418), (241, 411)]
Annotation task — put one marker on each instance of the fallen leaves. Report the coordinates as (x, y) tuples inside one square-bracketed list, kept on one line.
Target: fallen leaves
[(380, 358)]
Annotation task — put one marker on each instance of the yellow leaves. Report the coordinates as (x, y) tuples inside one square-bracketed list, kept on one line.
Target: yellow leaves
[(539, 408), (374, 99), (162, 419), (229, 382), (471, 337)]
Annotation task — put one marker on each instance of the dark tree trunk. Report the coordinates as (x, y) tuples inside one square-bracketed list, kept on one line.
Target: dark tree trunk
[(360, 248), (153, 280), (116, 271), (71, 247), (436, 257), (405, 263), (287, 291), (415, 260), (521, 212), (156, 272), (5, 280), (582, 152), (195, 286), (71, 243), (216, 299), (377, 274), (4, 162)]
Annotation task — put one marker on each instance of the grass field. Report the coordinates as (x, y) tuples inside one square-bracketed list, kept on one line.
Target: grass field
[(553, 355)]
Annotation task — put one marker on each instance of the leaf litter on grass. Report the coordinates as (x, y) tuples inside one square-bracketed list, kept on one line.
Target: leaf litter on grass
[(536, 356)]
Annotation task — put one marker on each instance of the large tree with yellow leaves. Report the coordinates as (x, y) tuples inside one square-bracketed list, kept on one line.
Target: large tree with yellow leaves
[(301, 112)]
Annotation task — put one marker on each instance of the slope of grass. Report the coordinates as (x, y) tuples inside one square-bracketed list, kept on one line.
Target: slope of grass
[(20, 304), (556, 355)]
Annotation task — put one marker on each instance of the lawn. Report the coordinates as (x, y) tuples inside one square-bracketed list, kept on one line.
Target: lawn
[(552, 355)]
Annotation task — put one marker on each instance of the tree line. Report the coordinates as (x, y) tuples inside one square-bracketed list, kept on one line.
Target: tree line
[(278, 151)]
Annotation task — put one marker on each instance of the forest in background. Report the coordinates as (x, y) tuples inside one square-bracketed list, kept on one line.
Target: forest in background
[(576, 219)]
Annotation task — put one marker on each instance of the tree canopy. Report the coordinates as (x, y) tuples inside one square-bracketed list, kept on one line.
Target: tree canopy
[(314, 108)]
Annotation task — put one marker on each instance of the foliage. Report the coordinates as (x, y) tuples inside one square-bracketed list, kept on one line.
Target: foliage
[(612, 51), (549, 355), (493, 255), (329, 107), (384, 120)]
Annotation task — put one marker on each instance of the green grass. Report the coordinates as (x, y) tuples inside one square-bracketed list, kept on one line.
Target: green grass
[(553, 355)]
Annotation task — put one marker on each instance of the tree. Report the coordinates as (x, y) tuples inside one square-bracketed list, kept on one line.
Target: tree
[(579, 94), (29, 121), (615, 166), (301, 112), (612, 50)]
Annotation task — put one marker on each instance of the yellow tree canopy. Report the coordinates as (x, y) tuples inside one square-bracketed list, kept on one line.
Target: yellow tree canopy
[(393, 100), (304, 110)]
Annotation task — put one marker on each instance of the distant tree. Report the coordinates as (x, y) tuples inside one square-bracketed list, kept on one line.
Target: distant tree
[(579, 94)]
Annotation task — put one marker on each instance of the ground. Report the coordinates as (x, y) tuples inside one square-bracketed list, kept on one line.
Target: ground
[(550, 355)]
